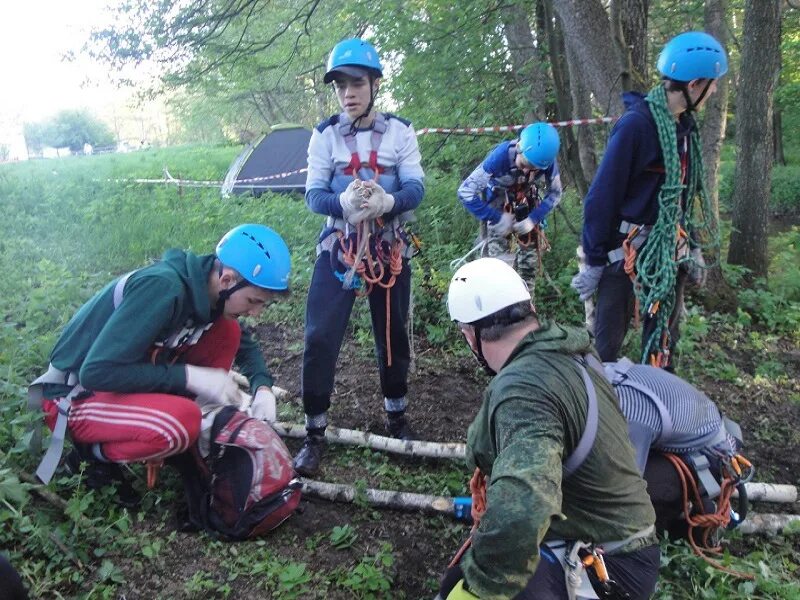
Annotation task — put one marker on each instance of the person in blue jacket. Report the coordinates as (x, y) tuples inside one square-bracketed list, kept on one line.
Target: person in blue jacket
[(365, 177), (638, 198), (502, 194)]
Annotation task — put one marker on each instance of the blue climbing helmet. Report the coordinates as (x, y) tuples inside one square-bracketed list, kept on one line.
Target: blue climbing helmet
[(539, 144), (692, 55), (259, 255), (353, 57)]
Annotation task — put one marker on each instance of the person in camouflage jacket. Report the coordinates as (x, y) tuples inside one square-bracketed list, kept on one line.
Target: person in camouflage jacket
[(532, 419)]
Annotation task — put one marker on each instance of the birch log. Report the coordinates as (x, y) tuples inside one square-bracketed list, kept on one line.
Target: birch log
[(443, 505), (378, 442), (337, 492)]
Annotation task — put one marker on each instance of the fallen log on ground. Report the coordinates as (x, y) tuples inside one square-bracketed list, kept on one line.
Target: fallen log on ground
[(756, 491), (770, 492), (378, 442), (768, 523), (444, 505)]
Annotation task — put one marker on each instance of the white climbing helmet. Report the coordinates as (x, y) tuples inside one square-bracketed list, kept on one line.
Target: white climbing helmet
[(483, 287)]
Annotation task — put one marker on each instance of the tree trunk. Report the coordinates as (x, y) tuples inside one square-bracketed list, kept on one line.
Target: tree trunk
[(718, 295), (527, 59), (571, 144), (760, 64), (587, 32), (779, 158), (581, 101), (629, 26)]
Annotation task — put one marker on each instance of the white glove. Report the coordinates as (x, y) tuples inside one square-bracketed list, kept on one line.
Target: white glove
[(697, 268), (350, 200), (376, 201), (586, 282), (503, 227), (525, 226), (213, 387), (240, 379), (263, 406)]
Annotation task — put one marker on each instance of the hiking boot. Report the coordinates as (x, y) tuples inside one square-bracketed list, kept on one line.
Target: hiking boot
[(398, 426), (97, 475), (306, 463)]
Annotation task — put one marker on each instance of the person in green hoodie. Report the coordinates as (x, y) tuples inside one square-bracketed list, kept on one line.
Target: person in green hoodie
[(556, 484), (138, 363)]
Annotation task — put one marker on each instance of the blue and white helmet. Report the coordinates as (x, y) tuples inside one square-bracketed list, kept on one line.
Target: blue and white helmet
[(539, 144), (354, 57), (258, 254), (692, 55)]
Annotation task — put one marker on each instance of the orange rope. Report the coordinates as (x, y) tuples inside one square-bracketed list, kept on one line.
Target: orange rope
[(709, 523), (477, 488)]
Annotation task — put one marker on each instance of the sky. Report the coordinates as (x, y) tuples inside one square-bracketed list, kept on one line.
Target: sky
[(35, 81)]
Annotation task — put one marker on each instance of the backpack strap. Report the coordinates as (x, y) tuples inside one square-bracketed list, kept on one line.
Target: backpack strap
[(49, 464), (585, 444), (618, 374)]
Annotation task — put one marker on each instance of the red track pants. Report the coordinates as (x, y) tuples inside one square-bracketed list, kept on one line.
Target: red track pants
[(141, 426)]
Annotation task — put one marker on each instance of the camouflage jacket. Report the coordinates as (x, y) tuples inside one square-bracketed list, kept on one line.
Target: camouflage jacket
[(532, 417)]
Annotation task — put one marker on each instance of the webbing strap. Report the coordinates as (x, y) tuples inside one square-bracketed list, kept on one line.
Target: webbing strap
[(618, 374), (378, 129), (119, 289), (702, 468), (49, 464), (586, 442), (625, 227)]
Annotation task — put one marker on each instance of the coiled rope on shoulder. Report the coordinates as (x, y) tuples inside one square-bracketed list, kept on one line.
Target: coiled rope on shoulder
[(656, 263)]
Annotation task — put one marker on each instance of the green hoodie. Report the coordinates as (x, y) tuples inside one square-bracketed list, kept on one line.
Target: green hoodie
[(110, 349), (532, 418)]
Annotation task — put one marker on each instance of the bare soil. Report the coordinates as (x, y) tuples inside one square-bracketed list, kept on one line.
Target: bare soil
[(444, 394)]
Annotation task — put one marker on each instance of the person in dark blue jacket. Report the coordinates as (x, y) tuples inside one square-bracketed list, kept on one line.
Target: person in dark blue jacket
[(641, 237), (502, 194)]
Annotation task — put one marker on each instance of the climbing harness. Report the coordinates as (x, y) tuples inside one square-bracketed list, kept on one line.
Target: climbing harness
[(735, 472), (680, 198), (372, 251)]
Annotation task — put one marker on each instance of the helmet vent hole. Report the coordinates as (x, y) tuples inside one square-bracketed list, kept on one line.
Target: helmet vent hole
[(257, 243)]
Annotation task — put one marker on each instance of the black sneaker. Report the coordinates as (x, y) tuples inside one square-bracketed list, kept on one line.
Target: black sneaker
[(98, 475), (306, 463), (398, 426)]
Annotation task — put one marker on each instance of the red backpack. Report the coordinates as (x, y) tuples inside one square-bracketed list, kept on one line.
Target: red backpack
[(247, 485)]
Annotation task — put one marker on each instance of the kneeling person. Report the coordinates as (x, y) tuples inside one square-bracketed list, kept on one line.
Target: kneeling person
[(135, 366), (553, 492)]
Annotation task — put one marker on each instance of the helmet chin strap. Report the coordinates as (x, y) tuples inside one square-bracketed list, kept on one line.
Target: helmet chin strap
[(478, 354), (691, 106), (227, 293)]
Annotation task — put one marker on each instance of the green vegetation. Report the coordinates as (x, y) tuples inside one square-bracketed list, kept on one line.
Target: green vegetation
[(67, 229)]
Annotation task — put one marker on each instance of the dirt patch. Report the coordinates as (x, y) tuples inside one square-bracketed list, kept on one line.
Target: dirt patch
[(444, 394)]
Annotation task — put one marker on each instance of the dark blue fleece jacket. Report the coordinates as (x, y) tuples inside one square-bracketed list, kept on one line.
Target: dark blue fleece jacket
[(629, 178)]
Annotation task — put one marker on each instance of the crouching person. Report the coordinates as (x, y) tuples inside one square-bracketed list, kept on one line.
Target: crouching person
[(682, 439), (138, 363), (555, 470)]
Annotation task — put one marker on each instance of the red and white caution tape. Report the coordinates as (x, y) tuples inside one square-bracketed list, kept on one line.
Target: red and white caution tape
[(502, 128)]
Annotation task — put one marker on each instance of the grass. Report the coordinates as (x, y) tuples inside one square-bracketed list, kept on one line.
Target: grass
[(67, 230)]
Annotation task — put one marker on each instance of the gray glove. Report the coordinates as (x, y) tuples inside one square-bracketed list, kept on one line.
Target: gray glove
[(586, 282), (503, 227), (697, 268), (377, 202), (350, 200)]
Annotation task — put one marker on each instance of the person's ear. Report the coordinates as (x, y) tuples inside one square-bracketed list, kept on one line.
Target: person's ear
[(469, 335), (227, 279)]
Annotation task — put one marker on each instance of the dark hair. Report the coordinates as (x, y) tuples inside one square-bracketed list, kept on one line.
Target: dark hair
[(494, 326)]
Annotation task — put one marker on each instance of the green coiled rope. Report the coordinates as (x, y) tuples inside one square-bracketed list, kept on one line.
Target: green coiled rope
[(656, 265)]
